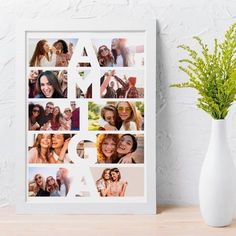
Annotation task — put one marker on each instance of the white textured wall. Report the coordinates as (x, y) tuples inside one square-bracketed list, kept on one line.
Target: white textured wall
[(183, 130)]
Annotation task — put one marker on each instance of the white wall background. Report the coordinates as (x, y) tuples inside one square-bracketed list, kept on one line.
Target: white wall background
[(183, 130)]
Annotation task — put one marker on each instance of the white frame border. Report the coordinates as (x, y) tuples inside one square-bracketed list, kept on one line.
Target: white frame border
[(146, 26)]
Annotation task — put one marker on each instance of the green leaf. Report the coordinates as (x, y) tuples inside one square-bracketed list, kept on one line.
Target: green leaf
[(212, 74)]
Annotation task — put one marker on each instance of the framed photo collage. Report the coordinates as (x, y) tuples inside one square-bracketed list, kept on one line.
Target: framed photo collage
[(85, 138)]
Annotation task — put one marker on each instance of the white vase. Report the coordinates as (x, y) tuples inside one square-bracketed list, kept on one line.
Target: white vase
[(217, 185)]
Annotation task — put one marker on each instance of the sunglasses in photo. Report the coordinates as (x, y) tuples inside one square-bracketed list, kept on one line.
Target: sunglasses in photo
[(39, 177), (36, 110), (49, 179), (104, 49), (49, 107), (126, 109)]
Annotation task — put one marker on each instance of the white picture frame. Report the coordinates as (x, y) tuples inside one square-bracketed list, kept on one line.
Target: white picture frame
[(29, 32)]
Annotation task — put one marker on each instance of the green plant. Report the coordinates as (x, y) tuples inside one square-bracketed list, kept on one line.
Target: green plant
[(213, 75)]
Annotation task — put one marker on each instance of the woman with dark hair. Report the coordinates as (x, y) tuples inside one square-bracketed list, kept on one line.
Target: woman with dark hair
[(107, 85), (60, 144), (105, 58), (107, 89), (117, 187), (103, 184), (55, 122), (128, 88), (126, 146), (33, 77), (48, 86), (43, 55), (35, 113), (123, 54), (63, 53)]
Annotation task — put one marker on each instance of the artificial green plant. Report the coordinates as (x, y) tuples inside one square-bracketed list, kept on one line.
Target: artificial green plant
[(213, 75)]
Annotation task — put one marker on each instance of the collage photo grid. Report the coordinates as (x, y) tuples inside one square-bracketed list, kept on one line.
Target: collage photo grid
[(85, 126)]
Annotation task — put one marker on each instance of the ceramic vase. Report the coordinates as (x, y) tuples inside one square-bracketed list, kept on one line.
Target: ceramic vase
[(217, 184)]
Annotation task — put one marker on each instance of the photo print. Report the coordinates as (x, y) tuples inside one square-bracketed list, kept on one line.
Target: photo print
[(119, 52), (120, 148), (50, 52), (71, 148), (122, 84), (117, 116), (86, 107), (49, 182), (47, 84), (53, 116), (119, 181)]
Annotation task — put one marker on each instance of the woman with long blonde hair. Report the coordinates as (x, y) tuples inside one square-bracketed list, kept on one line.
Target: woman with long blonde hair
[(130, 116), (38, 186), (63, 82)]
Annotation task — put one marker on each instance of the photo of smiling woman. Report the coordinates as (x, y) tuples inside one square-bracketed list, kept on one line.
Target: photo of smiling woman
[(41, 150), (122, 181), (63, 52), (53, 115), (126, 146), (50, 52), (49, 181), (106, 147), (105, 57), (110, 120), (52, 187), (130, 116), (120, 148), (48, 86), (120, 116), (117, 187), (103, 184), (110, 184), (37, 186), (43, 55), (49, 149), (35, 113), (63, 82)]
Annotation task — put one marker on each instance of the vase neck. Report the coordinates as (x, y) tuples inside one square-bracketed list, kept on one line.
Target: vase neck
[(218, 129)]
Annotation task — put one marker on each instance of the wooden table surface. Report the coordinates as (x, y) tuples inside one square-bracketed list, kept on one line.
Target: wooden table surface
[(170, 220)]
